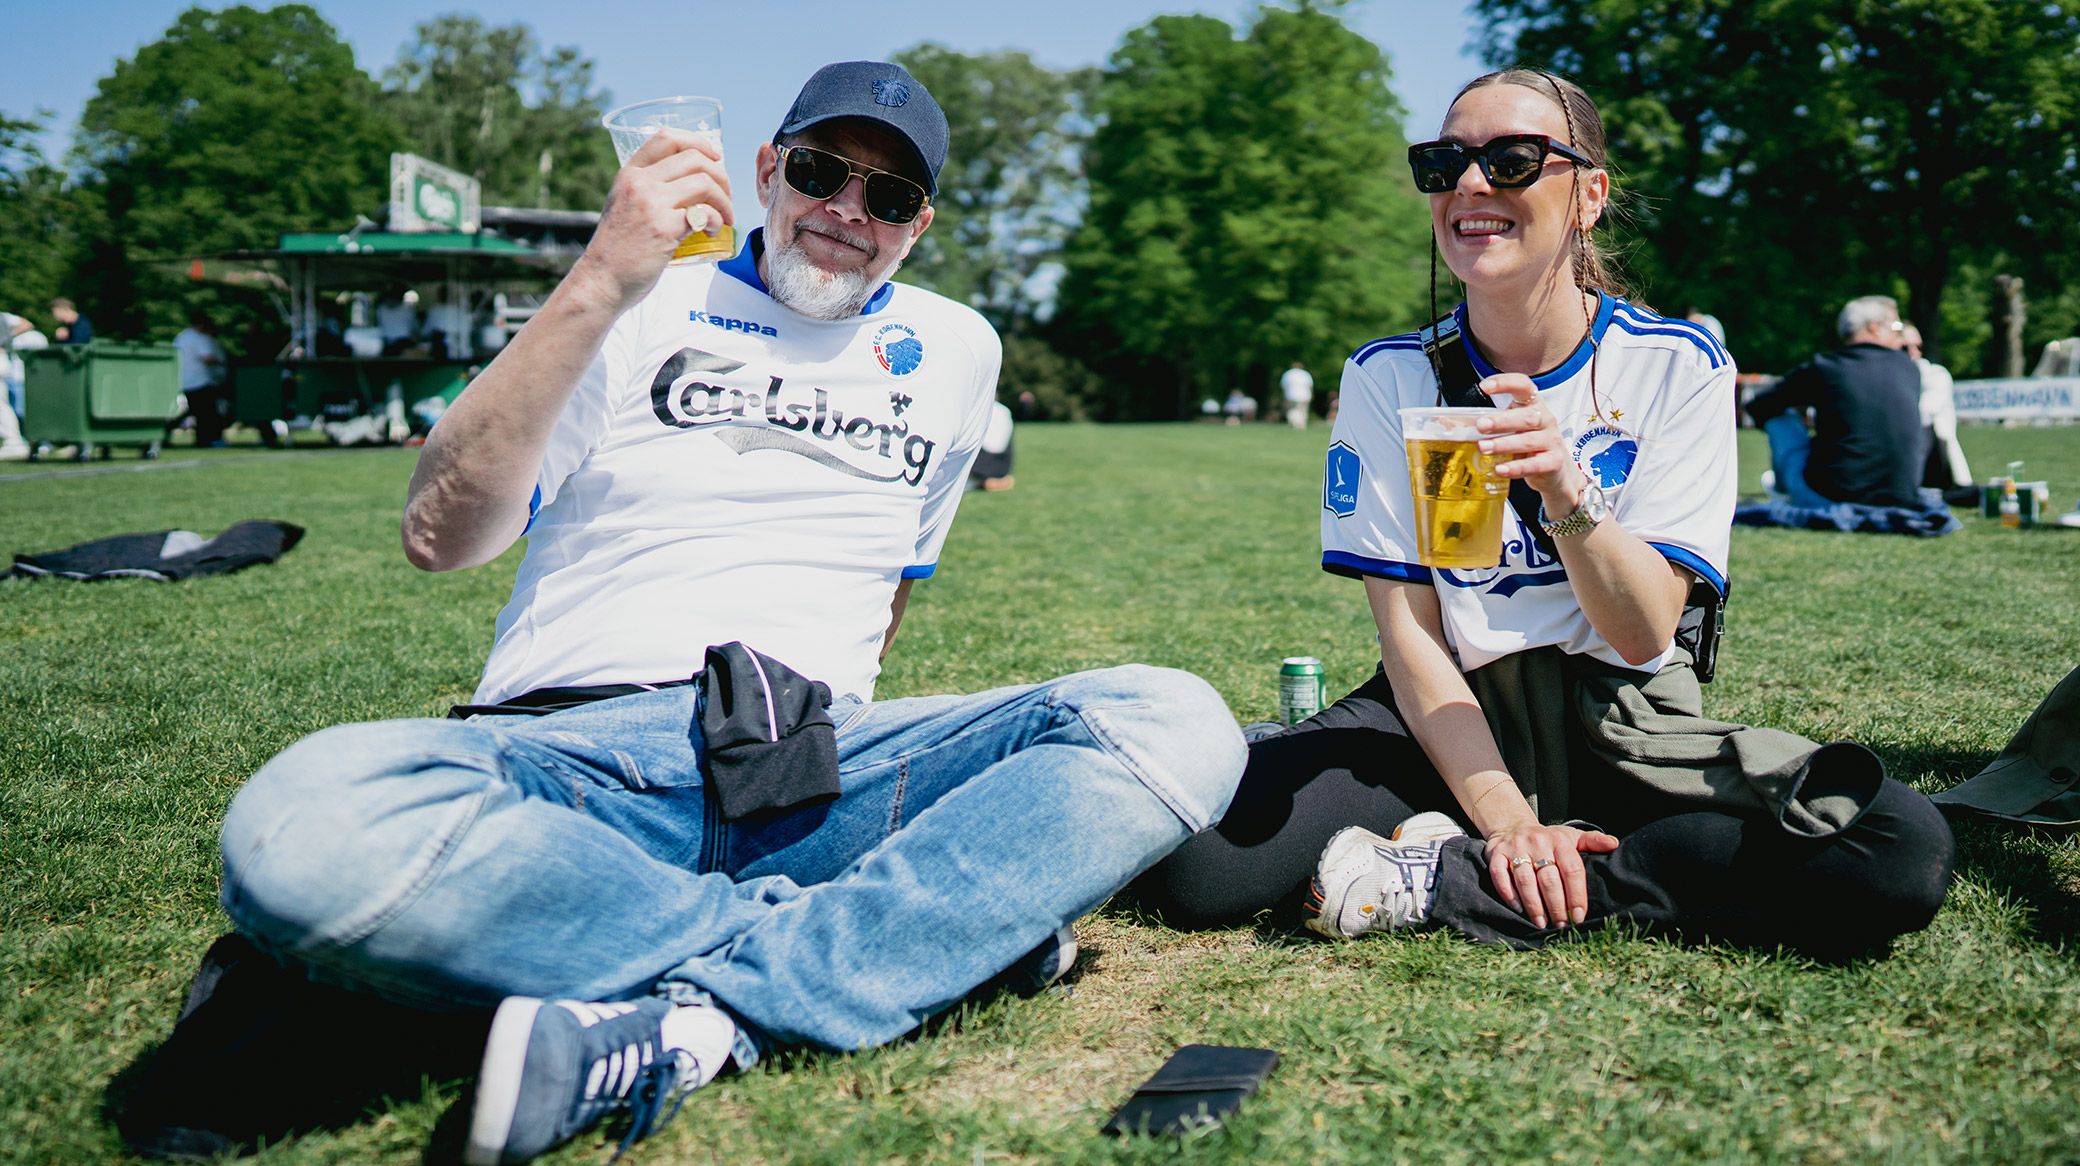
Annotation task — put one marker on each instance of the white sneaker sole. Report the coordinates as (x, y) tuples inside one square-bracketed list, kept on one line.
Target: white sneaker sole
[(1341, 843), (498, 1081)]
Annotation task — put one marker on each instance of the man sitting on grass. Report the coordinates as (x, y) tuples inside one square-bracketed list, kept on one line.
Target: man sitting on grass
[(767, 451)]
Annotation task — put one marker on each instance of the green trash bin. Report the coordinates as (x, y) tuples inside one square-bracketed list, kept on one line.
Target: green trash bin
[(100, 395)]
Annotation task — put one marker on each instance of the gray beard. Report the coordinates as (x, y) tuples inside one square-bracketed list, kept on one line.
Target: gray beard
[(797, 283)]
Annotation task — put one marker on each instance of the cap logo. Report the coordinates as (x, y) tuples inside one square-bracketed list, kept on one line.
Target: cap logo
[(892, 93)]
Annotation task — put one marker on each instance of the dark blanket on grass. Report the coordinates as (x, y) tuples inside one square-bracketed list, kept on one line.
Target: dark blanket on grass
[(166, 555), (1931, 518)]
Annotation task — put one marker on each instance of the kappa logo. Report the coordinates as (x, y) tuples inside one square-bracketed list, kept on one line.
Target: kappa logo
[(898, 349), (892, 93), (748, 327), (1606, 455), (1340, 481)]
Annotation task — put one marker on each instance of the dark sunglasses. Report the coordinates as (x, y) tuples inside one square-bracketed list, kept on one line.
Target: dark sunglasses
[(1510, 162), (820, 174)]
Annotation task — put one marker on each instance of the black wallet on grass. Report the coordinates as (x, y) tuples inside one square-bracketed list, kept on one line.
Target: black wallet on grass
[(1197, 1087)]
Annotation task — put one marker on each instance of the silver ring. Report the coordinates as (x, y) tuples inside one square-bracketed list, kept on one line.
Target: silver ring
[(1520, 860), (1541, 864)]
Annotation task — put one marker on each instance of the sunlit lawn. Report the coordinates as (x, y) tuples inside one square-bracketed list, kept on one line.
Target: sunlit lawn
[(130, 712)]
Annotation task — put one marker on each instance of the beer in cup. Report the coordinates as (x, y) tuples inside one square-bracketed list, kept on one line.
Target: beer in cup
[(631, 126), (1459, 497)]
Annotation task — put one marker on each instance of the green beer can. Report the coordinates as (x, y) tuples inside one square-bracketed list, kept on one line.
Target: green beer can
[(1301, 688)]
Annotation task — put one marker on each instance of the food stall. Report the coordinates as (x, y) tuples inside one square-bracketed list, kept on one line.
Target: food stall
[(477, 269)]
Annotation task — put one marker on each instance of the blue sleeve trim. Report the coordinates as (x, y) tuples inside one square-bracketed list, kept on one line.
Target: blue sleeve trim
[(923, 572), (1640, 323), (1366, 352), (534, 507), (1358, 566), (1696, 565)]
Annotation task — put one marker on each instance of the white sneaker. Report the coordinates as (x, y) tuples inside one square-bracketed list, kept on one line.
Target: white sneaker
[(1364, 882)]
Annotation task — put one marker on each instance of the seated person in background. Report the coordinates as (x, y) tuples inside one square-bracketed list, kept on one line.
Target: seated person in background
[(1945, 467), (1865, 446), (73, 328), (992, 468), (1515, 705)]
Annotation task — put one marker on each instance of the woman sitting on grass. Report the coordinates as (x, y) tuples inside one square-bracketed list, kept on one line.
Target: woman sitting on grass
[(1517, 705)]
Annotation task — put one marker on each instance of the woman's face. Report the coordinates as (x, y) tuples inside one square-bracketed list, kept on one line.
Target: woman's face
[(1510, 240)]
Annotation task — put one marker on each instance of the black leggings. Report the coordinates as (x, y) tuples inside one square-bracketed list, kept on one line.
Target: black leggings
[(1705, 873)]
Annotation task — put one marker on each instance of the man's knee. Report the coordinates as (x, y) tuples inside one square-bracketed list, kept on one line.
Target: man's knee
[(325, 833), (1168, 726)]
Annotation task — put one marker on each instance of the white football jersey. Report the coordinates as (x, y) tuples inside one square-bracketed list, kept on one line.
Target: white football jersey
[(1658, 438), (729, 469)]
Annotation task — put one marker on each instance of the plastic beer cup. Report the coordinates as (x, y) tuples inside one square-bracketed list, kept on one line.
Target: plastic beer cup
[(631, 126), (1459, 497)]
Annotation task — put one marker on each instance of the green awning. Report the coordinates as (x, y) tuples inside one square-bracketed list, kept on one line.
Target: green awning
[(392, 243)]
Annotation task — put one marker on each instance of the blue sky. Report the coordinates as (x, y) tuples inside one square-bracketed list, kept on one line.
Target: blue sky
[(751, 55)]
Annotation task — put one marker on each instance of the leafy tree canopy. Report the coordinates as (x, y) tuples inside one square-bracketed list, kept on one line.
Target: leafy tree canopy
[(1011, 190), (492, 104), (34, 221), (1794, 154), (233, 128), (1248, 207)]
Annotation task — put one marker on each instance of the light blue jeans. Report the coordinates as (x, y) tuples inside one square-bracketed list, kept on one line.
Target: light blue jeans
[(1790, 445), (453, 863)]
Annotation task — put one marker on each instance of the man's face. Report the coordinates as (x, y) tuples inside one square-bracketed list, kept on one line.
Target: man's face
[(1886, 333), (64, 314), (823, 256)]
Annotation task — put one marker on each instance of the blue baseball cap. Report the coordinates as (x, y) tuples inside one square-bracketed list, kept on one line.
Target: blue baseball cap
[(879, 92)]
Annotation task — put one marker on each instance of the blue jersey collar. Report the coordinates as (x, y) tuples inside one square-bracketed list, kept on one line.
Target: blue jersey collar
[(743, 266), (1605, 305)]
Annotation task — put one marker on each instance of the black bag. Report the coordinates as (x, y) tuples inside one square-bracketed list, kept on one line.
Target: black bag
[(1704, 609)]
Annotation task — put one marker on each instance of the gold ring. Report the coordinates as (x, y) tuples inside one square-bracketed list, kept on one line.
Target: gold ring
[(1520, 860)]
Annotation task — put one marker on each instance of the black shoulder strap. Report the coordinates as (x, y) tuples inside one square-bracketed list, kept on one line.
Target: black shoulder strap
[(1704, 610)]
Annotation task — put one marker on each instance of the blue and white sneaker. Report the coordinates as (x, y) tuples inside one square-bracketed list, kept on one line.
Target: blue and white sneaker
[(1367, 883), (553, 1069)]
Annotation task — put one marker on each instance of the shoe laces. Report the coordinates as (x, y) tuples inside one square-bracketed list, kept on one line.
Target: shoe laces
[(653, 1101)]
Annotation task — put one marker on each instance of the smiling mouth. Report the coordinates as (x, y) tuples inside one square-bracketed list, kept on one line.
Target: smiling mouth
[(1480, 227)]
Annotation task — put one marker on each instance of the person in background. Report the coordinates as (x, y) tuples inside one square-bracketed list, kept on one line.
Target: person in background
[(1239, 407), (17, 335), (992, 468), (1865, 444), (1297, 387), (1708, 322), (397, 320), (1945, 467), (73, 328), (202, 381)]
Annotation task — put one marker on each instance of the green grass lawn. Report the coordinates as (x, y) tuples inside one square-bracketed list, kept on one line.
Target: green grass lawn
[(131, 711)]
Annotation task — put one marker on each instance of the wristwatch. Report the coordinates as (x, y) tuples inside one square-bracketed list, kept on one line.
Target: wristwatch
[(1592, 509)]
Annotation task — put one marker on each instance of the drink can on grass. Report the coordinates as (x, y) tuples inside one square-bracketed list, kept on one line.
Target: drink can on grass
[(1301, 688)]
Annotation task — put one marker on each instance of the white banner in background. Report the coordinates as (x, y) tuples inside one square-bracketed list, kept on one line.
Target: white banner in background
[(2018, 399)]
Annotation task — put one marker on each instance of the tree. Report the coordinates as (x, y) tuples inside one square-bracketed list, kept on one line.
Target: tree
[(488, 102), (233, 128), (1797, 153), (1248, 206), (1011, 191), (35, 229)]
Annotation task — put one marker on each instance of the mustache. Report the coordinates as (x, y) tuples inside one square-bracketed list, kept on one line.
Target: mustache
[(840, 234)]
